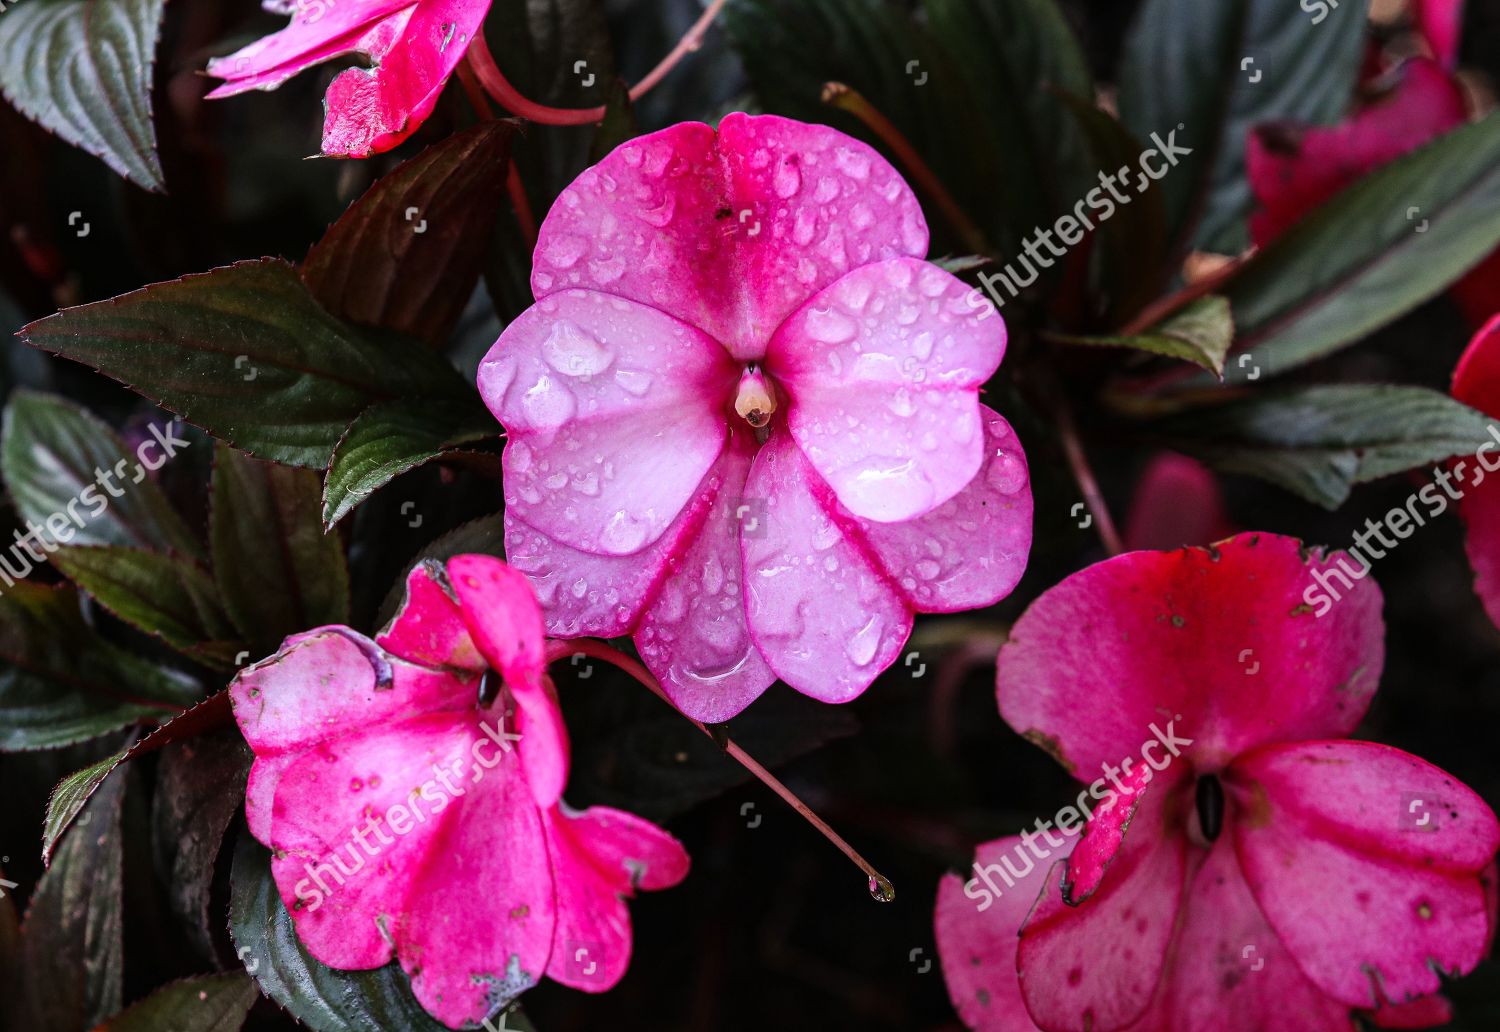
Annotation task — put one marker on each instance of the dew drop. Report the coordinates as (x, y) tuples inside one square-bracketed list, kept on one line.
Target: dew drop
[(1007, 474), (786, 180), (881, 889)]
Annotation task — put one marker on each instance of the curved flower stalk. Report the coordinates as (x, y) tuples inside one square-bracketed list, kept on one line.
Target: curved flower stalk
[(410, 787), (1476, 383), (1240, 864), (743, 416)]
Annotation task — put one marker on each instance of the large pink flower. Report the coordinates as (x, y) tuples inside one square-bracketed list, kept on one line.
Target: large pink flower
[(1476, 383), (744, 419), (410, 790), (1255, 869), (412, 46)]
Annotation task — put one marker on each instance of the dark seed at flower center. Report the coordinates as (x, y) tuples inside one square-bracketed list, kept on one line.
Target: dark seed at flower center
[(489, 688), (1210, 806)]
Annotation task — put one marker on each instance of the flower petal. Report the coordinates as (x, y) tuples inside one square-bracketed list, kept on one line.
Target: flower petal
[(977, 937), (480, 922), (596, 856), (1097, 965), (1229, 972), (826, 620), (429, 628), (1177, 502), (323, 683), (345, 878), (370, 110), (615, 412), (1336, 846), (1222, 641), (695, 635), (732, 231), (1476, 383), (1293, 168), (884, 368), (1441, 23), (970, 551), (319, 31)]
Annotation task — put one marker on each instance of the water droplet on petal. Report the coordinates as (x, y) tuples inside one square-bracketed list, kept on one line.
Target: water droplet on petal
[(786, 180), (863, 645), (830, 326), (570, 350), (1007, 474), (633, 381), (547, 405), (624, 533)]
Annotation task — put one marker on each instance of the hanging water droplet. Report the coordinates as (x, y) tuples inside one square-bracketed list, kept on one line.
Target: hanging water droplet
[(881, 889)]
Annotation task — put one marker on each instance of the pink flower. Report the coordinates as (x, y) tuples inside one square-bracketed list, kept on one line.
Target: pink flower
[(1253, 869), (412, 45), (1440, 23), (485, 880), (1476, 383), (1177, 502), (744, 419), (1293, 169)]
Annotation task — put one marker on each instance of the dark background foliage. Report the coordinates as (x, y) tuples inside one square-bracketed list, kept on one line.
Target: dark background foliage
[(773, 929)]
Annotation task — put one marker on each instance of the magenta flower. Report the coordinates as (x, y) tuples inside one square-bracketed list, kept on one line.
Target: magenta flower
[(1252, 869), (744, 419), (1476, 383), (410, 790), (412, 46)]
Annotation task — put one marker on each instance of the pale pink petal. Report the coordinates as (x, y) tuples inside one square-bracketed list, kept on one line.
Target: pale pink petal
[(826, 620), (731, 232), (1097, 965), (480, 920), (1177, 502), (1367, 862), (883, 368), (320, 30), (345, 872), (694, 634), (320, 685), (970, 551), (1295, 168), (372, 110), (599, 858), (614, 410), (1220, 646), (429, 628), (1228, 971), (978, 932), (1441, 23)]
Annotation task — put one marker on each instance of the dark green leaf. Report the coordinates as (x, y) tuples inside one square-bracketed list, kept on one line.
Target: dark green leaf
[(484, 536), (71, 948), (60, 683), (73, 791), (82, 69), (66, 469), (1377, 250), (1201, 334), (246, 353), (390, 438), (277, 571), (1184, 66), (1317, 442), (407, 255), (200, 788), (172, 598), (208, 1003), (318, 996), (618, 125)]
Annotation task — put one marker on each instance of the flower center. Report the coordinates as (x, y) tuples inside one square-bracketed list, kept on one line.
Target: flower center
[(1210, 806), (489, 688), (755, 400)]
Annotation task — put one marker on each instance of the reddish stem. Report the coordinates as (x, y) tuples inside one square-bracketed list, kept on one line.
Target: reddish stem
[(514, 187), (510, 98), (880, 886), (1084, 473)]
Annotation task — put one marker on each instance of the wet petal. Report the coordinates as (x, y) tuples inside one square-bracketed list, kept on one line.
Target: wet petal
[(345, 871), (731, 232), (600, 857), (429, 628), (970, 551), (1367, 862), (694, 635), (321, 686), (614, 410), (319, 31), (978, 933), (822, 615), (480, 922), (1097, 965), (1221, 646), (884, 368)]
